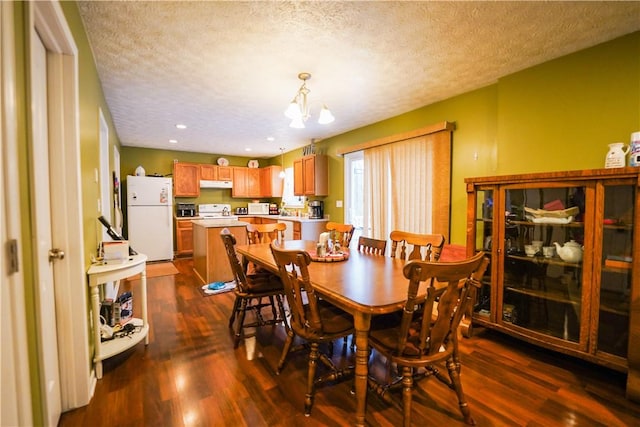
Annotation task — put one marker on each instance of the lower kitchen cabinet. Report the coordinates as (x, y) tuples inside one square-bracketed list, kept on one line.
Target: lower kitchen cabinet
[(184, 237), (564, 270)]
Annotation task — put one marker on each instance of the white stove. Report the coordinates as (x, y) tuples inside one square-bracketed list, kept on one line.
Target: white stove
[(212, 210)]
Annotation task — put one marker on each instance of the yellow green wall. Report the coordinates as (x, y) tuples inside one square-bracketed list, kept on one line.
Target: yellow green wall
[(560, 115)]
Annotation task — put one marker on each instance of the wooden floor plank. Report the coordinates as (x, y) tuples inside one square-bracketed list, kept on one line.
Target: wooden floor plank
[(190, 375)]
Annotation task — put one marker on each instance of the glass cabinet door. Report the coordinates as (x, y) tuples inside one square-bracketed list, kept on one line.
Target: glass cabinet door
[(542, 251), (483, 242), (616, 262)]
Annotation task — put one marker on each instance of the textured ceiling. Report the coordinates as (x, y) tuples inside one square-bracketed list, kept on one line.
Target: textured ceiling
[(228, 69)]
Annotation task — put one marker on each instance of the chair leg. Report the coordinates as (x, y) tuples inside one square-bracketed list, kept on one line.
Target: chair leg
[(283, 315), (311, 374), (273, 308), (234, 310), (407, 388), (457, 387), (243, 312), (285, 349)]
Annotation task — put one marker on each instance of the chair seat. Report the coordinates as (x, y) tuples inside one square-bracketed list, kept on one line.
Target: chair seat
[(335, 322), (263, 282), (387, 338)]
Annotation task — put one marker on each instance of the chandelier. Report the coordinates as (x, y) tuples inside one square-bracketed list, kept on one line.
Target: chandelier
[(298, 110)]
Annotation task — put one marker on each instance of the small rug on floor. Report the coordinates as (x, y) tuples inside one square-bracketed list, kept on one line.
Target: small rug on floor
[(217, 288), (158, 269)]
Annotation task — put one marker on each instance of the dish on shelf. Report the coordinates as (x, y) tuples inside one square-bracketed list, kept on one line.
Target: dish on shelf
[(253, 164), (549, 220), (562, 213), (223, 162)]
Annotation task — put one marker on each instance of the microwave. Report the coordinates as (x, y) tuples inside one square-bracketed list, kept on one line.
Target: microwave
[(258, 208)]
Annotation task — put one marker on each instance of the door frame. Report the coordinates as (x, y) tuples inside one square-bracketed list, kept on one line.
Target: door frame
[(16, 406), (76, 381)]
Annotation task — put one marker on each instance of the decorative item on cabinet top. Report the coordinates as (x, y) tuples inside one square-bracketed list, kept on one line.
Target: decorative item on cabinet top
[(222, 161), (253, 164)]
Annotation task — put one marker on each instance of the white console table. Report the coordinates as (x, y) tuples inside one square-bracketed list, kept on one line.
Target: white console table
[(99, 274)]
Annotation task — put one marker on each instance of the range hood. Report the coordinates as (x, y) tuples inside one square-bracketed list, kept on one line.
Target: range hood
[(215, 184)]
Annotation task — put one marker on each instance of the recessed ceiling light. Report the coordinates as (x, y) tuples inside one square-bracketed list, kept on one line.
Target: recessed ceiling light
[(247, 149), (270, 139), (173, 141), (181, 126)]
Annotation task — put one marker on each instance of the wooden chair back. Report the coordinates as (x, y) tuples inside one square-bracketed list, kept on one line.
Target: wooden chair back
[(372, 246), (229, 242), (345, 232), (449, 285), (265, 233), (293, 267), (431, 243)]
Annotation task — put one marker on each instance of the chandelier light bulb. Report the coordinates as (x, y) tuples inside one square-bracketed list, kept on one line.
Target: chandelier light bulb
[(293, 111), (325, 116)]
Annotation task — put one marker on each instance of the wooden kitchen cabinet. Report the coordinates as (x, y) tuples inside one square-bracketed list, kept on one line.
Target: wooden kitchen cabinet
[(587, 308), (184, 237), (216, 173), (246, 182), (186, 179), (310, 176), (270, 182), (225, 173)]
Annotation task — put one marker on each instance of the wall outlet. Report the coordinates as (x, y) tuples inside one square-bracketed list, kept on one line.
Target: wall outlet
[(338, 203)]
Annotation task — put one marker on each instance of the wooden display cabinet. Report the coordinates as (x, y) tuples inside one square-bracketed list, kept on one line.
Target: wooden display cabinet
[(310, 176), (588, 309), (186, 179)]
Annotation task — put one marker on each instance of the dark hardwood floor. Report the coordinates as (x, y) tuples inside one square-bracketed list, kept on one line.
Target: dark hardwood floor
[(190, 375)]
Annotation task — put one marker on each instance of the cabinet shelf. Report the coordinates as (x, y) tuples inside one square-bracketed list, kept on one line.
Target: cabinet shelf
[(574, 224), (540, 260), (118, 345), (550, 295)]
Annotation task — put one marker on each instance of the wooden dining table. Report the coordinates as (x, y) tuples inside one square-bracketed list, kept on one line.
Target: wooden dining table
[(364, 285)]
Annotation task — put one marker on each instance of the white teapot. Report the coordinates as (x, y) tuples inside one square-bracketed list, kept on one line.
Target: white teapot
[(570, 252)]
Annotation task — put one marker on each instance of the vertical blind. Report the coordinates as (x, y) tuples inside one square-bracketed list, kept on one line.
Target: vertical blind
[(407, 186)]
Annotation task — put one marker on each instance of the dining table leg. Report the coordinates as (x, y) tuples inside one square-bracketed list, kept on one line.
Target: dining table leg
[(362, 325)]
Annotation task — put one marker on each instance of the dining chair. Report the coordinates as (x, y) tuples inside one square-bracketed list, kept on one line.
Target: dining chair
[(372, 246), (265, 233), (250, 291), (262, 233), (312, 319), (345, 232), (432, 243), (425, 341)]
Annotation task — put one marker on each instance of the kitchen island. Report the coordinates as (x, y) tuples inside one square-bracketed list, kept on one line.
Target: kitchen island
[(210, 262), (298, 227)]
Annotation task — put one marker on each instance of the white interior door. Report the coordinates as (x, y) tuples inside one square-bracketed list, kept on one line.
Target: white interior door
[(42, 240)]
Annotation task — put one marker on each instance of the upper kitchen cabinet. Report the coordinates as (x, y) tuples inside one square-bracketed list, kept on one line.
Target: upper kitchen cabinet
[(270, 182), (216, 173), (186, 179), (310, 177), (246, 182)]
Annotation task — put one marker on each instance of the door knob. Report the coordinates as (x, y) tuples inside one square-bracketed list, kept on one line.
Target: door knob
[(55, 254)]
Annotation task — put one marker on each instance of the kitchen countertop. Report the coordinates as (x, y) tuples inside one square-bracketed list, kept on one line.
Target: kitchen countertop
[(210, 223), (286, 218)]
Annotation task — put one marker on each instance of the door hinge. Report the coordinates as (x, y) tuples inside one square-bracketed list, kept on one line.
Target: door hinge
[(12, 256)]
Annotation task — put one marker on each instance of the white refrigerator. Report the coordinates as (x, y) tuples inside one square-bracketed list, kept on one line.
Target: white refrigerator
[(150, 216)]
